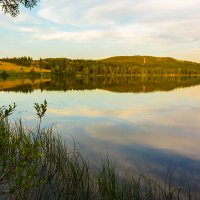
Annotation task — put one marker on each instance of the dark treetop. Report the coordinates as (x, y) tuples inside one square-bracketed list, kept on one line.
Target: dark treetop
[(12, 6)]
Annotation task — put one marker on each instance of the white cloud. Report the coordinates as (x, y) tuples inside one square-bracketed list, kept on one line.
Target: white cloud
[(156, 27), (156, 20)]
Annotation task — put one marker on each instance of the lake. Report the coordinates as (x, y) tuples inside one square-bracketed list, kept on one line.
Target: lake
[(149, 124)]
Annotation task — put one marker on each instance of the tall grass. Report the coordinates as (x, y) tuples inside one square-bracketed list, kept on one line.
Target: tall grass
[(38, 165)]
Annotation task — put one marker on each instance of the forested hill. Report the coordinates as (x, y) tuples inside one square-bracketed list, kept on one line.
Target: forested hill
[(150, 61), (119, 65)]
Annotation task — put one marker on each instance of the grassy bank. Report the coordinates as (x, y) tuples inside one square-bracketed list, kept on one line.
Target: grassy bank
[(37, 164), (12, 68)]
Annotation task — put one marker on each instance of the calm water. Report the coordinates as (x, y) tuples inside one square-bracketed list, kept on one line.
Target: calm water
[(148, 124)]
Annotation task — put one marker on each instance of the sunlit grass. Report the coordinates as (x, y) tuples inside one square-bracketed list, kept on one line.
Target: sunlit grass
[(12, 68)]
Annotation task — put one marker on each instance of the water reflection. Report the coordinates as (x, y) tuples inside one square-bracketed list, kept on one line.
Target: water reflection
[(145, 131), (22, 84), (116, 84)]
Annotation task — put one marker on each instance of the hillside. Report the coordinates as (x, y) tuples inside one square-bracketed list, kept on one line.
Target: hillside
[(141, 60), (113, 66), (13, 68), (158, 65)]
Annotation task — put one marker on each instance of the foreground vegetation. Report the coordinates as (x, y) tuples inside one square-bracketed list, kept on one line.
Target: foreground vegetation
[(120, 65), (37, 164)]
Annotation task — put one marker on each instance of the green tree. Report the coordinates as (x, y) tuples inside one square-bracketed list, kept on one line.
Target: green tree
[(12, 6)]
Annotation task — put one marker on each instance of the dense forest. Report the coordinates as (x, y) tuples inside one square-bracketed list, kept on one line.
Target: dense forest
[(120, 65)]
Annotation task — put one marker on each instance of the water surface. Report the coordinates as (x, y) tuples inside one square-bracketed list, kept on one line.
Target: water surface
[(149, 124)]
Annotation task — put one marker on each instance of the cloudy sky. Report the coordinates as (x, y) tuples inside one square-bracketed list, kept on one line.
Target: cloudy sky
[(102, 28)]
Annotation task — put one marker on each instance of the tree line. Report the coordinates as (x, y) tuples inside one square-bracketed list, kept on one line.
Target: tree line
[(65, 66), (100, 67), (23, 61)]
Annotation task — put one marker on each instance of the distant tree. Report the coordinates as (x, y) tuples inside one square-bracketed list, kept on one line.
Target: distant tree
[(12, 6)]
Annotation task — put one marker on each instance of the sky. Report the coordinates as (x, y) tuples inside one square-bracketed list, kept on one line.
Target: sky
[(95, 29)]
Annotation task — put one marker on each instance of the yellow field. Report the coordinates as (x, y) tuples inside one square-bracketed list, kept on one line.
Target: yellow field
[(4, 66)]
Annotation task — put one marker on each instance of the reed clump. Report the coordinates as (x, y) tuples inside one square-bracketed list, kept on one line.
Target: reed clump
[(38, 165)]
